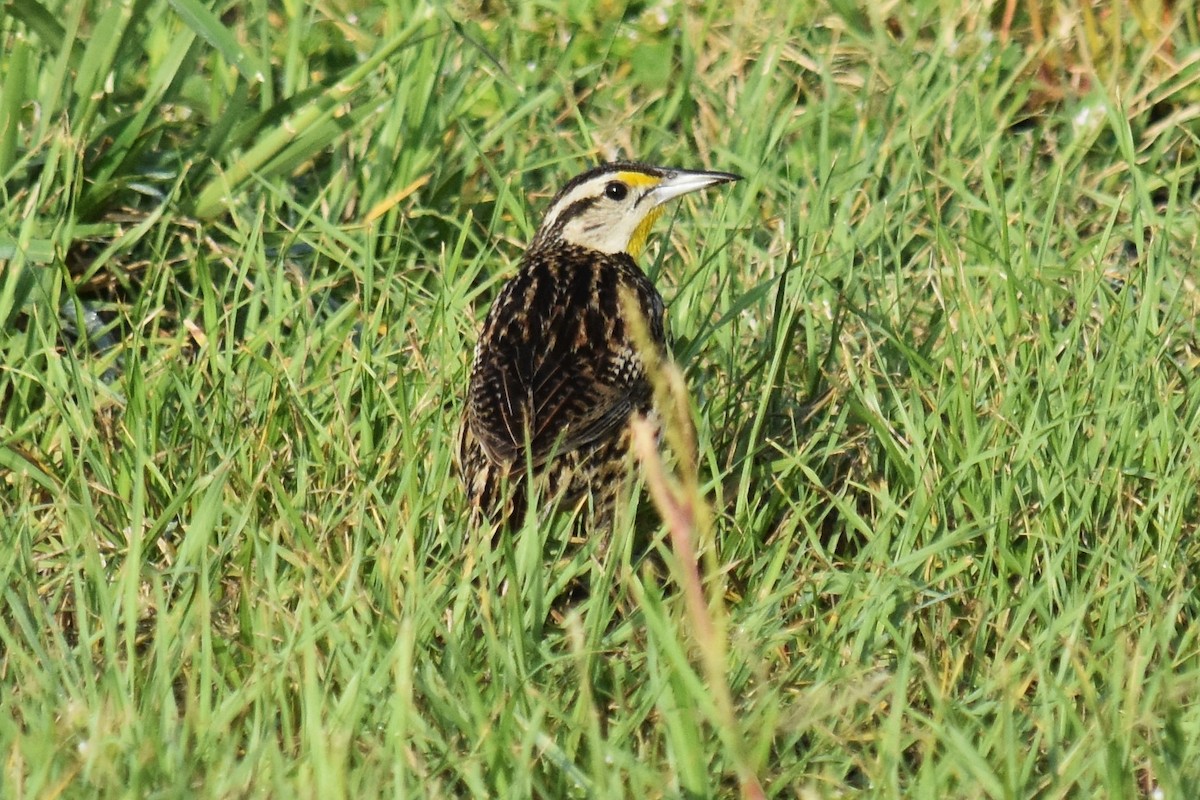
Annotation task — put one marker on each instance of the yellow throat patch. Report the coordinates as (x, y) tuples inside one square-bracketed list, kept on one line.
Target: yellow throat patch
[(639, 180), (637, 242)]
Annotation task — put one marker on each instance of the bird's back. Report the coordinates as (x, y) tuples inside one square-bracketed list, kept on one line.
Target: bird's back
[(555, 378)]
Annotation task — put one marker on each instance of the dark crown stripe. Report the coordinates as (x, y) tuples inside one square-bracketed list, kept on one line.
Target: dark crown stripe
[(611, 168)]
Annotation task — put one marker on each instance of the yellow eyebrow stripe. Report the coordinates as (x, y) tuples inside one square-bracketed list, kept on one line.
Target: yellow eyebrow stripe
[(638, 180)]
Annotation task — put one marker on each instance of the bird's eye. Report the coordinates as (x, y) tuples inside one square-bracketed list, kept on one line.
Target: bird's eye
[(616, 191)]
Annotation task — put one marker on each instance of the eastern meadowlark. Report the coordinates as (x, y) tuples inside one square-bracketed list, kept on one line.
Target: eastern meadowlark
[(556, 375)]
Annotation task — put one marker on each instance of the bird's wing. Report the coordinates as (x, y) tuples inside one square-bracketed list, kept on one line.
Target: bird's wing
[(558, 401), (577, 407)]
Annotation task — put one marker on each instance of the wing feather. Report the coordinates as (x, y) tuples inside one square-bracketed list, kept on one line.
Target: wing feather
[(567, 381)]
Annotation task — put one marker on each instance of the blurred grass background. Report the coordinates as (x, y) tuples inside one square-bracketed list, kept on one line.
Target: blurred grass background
[(941, 345)]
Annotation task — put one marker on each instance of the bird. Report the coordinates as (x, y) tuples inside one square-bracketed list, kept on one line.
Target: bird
[(556, 373)]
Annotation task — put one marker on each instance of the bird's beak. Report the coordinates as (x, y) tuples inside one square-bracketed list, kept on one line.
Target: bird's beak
[(680, 181)]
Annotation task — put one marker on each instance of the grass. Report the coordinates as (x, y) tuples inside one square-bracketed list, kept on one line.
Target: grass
[(940, 345)]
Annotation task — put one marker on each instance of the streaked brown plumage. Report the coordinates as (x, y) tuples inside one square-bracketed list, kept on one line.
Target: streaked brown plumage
[(556, 376)]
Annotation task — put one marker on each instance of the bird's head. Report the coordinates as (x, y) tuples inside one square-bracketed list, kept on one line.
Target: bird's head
[(610, 208)]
